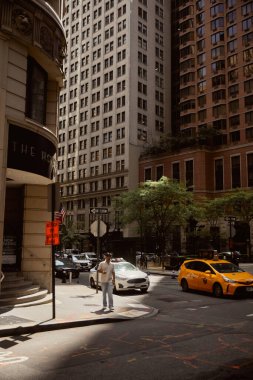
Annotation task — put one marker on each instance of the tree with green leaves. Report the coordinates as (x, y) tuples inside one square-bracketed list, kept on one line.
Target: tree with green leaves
[(240, 204), (69, 236), (158, 207)]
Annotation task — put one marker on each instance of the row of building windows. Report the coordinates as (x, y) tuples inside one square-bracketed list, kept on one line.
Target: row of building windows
[(217, 112), (93, 170), (93, 186), (219, 167)]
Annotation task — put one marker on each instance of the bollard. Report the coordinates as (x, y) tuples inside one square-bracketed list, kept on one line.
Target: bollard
[(70, 277), (64, 278)]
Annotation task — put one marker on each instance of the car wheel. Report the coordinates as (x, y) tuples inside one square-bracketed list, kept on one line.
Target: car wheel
[(144, 290), (217, 290), (184, 285), (92, 283)]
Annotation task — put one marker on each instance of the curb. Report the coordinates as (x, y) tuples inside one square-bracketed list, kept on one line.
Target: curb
[(21, 330), (32, 329)]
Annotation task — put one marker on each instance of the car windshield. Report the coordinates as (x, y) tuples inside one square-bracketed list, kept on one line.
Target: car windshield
[(79, 257), (226, 268), (123, 267), (59, 263), (91, 255)]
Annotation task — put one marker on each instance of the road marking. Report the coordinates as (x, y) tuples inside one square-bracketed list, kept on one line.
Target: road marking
[(191, 309), (6, 358), (204, 307), (249, 315)]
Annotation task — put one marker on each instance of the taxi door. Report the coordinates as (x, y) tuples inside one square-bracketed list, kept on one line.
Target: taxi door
[(193, 274), (205, 280)]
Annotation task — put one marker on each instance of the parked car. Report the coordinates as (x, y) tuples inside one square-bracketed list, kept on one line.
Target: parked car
[(91, 256), (63, 269), (232, 256), (82, 261), (150, 256), (216, 276), (127, 277)]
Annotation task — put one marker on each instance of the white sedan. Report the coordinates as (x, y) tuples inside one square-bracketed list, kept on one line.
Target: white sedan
[(127, 277)]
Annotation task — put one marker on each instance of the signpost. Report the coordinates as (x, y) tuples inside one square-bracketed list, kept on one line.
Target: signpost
[(52, 232), (99, 210), (98, 229)]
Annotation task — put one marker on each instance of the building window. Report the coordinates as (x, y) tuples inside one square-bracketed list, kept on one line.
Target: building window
[(218, 174), (248, 101), (233, 90), (249, 118), (176, 171), (235, 136), (250, 169), (231, 46), (247, 39), (235, 172), (247, 24), (159, 172), (147, 174), (234, 121), (189, 175), (248, 86), (234, 106), (36, 91)]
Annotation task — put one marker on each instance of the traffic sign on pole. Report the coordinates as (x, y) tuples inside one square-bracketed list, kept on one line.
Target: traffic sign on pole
[(99, 210), (94, 228)]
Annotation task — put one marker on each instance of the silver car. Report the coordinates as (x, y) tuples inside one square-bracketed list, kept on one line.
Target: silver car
[(127, 277), (81, 261)]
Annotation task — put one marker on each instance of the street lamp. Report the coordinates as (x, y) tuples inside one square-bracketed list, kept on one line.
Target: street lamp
[(231, 220)]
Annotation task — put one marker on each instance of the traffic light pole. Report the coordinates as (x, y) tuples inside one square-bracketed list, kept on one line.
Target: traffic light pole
[(98, 247), (53, 251), (231, 220)]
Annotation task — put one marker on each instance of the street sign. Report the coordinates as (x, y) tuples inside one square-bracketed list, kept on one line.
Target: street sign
[(95, 229), (99, 210)]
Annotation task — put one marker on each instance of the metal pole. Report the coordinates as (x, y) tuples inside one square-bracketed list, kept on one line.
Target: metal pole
[(53, 252), (230, 234), (98, 247)]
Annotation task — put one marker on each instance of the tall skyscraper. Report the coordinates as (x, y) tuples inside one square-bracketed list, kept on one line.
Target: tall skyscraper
[(212, 97), (211, 148), (115, 99)]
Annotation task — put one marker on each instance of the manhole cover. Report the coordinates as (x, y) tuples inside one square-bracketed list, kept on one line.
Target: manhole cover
[(12, 320)]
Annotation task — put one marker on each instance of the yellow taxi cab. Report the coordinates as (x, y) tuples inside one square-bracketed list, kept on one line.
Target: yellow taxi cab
[(219, 277)]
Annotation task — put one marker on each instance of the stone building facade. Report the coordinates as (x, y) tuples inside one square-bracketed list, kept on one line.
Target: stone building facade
[(32, 46)]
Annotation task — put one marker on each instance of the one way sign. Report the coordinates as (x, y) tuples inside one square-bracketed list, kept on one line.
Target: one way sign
[(99, 210)]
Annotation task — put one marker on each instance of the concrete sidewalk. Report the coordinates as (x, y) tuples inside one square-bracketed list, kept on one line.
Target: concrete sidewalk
[(75, 305)]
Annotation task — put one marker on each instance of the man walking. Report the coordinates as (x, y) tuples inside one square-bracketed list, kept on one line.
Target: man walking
[(106, 268)]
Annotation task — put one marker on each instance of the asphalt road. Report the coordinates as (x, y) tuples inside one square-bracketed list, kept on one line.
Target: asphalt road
[(194, 336)]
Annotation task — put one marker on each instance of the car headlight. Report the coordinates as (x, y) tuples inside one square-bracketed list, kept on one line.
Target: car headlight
[(228, 280)]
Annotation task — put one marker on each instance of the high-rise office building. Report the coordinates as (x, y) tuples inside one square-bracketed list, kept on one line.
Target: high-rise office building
[(211, 149), (115, 98), (212, 96)]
